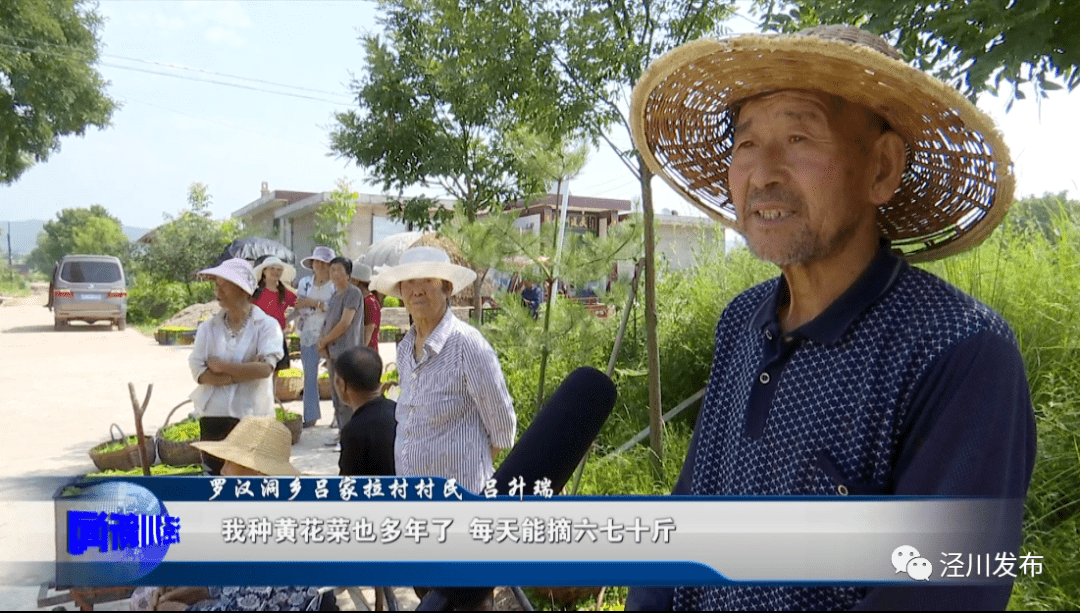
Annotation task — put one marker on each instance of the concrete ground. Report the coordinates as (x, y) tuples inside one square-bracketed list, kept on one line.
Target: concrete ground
[(59, 393)]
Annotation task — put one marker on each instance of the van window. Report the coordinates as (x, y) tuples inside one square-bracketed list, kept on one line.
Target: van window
[(88, 271)]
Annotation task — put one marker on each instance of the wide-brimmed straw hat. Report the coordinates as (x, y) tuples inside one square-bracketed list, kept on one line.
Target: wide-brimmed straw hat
[(323, 254), (259, 443), (288, 274), (237, 271), (421, 263), (958, 183)]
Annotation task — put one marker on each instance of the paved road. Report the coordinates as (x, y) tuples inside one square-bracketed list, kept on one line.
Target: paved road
[(60, 391)]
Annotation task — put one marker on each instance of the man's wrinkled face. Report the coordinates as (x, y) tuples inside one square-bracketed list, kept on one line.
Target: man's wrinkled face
[(799, 176)]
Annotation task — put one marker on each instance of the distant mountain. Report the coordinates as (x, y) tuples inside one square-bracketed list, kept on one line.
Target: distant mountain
[(24, 235)]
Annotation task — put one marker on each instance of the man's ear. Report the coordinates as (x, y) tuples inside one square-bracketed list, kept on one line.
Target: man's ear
[(889, 160)]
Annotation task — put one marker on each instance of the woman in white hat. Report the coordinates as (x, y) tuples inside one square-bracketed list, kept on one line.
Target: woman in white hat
[(313, 295), (234, 356), (274, 297), (454, 413)]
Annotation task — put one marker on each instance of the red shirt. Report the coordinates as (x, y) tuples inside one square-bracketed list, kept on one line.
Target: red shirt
[(372, 315), (269, 302)]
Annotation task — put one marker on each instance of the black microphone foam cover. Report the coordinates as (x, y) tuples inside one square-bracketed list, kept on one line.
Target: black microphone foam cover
[(561, 433)]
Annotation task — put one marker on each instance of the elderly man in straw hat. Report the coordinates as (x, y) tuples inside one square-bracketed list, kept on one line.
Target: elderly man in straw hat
[(852, 373), (454, 412)]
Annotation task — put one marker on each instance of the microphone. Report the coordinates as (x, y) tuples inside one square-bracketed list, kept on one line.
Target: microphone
[(551, 448), (561, 433)]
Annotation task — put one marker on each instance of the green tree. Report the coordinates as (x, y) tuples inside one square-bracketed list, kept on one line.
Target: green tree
[(974, 45), (603, 48), (49, 86), (92, 230), (189, 242), (439, 92), (333, 217)]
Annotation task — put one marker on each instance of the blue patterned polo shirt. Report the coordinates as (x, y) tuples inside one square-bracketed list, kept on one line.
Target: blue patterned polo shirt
[(904, 385)]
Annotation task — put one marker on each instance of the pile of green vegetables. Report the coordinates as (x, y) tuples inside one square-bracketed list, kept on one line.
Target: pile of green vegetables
[(291, 372), (183, 431), (156, 470), (118, 445), (283, 415)]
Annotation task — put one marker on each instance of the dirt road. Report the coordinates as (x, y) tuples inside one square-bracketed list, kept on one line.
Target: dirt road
[(60, 391)]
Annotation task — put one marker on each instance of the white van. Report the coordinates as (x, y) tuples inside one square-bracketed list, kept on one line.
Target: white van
[(88, 288)]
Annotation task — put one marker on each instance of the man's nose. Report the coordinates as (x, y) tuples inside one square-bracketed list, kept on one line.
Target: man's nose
[(770, 166)]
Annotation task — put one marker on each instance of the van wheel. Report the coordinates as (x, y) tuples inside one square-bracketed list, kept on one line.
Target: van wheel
[(58, 324), (121, 324)]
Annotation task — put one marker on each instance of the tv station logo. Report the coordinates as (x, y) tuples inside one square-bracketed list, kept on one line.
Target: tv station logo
[(116, 528)]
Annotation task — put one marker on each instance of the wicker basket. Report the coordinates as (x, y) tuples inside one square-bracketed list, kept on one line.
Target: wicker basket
[(295, 426), (165, 337), (121, 459), (176, 453), (324, 388), (288, 388)]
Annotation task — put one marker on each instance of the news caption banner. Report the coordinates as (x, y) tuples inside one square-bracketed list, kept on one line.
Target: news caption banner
[(429, 531)]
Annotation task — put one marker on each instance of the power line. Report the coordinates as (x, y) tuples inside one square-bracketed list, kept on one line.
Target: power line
[(176, 76), (209, 72)]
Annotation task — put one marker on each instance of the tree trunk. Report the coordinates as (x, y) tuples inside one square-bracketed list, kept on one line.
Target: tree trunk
[(652, 347)]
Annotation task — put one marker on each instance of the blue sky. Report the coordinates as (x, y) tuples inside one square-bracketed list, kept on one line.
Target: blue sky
[(175, 130)]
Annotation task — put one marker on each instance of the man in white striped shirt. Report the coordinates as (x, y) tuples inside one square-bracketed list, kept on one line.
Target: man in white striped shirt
[(454, 413)]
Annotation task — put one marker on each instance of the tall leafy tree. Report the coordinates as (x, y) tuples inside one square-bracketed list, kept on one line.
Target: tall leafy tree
[(91, 230), (333, 217), (603, 48), (974, 45), (48, 85), (439, 92), (189, 242)]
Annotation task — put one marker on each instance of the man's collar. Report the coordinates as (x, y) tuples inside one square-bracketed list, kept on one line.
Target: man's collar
[(438, 336), (831, 324)]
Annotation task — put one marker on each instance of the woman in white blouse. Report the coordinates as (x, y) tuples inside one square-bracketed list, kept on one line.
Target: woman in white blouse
[(233, 358)]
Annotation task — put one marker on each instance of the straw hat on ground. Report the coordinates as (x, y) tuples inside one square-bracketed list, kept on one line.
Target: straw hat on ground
[(958, 184), (259, 443), (422, 263)]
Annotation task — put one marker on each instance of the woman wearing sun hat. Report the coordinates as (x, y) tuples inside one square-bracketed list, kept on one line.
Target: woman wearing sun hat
[(234, 356), (274, 297), (313, 295), (454, 413), (256, 447)]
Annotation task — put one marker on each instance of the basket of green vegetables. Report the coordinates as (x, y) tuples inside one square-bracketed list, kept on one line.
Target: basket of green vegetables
[(174, 441), (121, 453)]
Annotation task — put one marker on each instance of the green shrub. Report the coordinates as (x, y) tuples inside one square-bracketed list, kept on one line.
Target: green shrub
[(391, 301), (152, 301)]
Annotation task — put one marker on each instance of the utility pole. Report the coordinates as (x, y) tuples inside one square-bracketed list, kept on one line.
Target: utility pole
[(11, 267)]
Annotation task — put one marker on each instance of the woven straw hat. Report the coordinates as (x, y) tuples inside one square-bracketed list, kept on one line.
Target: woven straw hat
[(258, 443), (421, 263), (958, 184)]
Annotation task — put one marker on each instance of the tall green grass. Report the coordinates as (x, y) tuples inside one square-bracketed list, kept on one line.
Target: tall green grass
[(1031, 278)]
